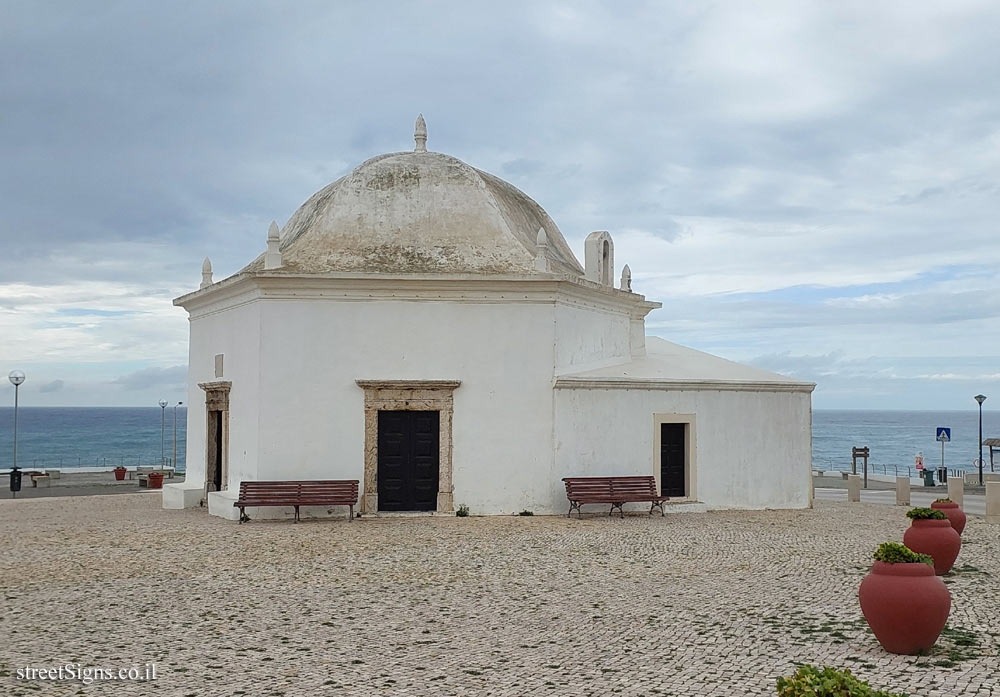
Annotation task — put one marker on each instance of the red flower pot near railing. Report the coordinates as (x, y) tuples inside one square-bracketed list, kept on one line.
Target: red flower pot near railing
[(120, 473), (155, 480), (931, 534), (954, 512)]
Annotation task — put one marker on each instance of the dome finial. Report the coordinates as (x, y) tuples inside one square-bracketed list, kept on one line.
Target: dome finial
[(420, 134)]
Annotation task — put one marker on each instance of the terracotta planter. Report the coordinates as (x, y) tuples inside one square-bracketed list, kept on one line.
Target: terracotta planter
[(155, 481), (120, 473), (906, 606), (954, 512), (936, 538)]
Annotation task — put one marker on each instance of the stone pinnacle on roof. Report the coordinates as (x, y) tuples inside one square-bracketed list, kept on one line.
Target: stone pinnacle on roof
[(626, 278), (420, 134), (206, 273), (541, 251), (272, 258)]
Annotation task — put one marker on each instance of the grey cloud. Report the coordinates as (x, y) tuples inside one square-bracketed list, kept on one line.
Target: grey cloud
[(521, 166), (153, 377), (923, 195), (54, 386), (808, 367)]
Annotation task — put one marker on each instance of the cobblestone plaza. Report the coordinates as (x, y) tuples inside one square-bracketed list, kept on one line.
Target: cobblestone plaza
[(690, 604)]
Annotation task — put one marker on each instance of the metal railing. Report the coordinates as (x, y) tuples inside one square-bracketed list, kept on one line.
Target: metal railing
[(108, 462), (886, 469)]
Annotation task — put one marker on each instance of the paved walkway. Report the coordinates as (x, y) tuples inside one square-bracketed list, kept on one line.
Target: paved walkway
[(973, 504), (72, 483), (691, 604)]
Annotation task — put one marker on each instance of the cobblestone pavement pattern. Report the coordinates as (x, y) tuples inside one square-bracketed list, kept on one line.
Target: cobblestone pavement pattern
[(691, 604)]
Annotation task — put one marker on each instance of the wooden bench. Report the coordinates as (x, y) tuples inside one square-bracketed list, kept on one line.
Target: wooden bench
[(141, 470), (319, 492), (616, 491)]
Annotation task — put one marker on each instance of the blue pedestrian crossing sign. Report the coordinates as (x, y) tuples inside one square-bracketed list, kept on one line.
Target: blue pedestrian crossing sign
[(944, 434)]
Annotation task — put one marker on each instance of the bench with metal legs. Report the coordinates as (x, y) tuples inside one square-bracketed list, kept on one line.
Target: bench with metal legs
[(616, 491), (319, 492)]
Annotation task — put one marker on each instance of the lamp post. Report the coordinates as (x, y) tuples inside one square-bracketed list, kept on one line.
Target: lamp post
[(174, 463), (163, 414), (16, 377), (980, 398)]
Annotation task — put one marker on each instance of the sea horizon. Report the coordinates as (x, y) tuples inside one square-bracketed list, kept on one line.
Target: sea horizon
[(184, 406), (105, 436)]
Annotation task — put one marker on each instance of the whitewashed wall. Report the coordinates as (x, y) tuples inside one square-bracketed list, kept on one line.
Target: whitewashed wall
[(751, 449), (312, 411), (589, 338), (232, 333)]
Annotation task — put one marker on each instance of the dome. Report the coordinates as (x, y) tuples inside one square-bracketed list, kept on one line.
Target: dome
[(421, 212)]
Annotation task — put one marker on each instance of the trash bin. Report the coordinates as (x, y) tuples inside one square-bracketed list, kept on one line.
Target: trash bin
[(928, 477), (943, 475)]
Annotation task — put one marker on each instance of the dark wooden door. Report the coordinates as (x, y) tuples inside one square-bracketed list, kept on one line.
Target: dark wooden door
[(218, 451), (213, 454), (672, 460), (408, 452)]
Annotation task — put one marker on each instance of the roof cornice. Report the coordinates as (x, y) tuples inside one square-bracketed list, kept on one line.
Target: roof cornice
[(680, 385), (545, 288)]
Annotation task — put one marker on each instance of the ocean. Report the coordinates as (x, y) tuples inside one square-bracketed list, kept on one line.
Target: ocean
[(108, 436), (895, 438), (91, 436)]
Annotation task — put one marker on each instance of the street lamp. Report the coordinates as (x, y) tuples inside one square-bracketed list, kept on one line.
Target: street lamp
[(980, 398), (175, 433), (16, 377), (163, 414)]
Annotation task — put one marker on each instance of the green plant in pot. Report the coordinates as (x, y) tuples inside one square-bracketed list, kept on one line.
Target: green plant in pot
[(904, 602), (925, 514), (932, 533)]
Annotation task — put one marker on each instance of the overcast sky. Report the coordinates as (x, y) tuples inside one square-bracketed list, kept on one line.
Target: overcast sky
[(809, 187)]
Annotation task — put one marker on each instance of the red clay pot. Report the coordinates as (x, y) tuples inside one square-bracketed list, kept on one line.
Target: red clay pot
[(120, 473), (906, 606), (954, 512), (936, 538), (155, 481)]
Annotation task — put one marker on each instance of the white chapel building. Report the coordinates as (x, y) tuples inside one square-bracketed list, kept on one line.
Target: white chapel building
[(423, 327)]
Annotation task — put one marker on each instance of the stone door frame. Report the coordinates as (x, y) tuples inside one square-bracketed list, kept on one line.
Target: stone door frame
[(217, 399), (409, 395), (690, 422)]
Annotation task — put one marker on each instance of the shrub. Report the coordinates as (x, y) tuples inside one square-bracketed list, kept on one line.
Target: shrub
[(925, 514), (895, 553), (944, 500), (809, 681), (526, 512), (462, 512)]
